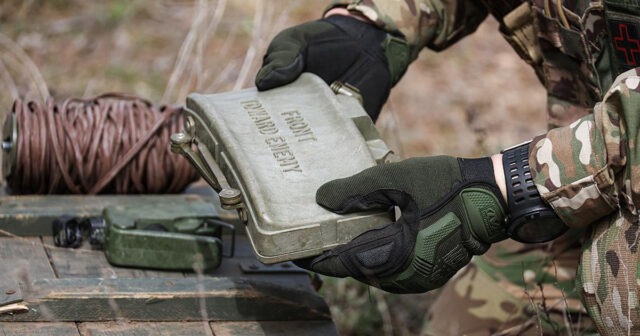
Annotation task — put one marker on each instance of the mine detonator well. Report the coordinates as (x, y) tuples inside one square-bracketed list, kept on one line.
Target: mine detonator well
[(266, 153)]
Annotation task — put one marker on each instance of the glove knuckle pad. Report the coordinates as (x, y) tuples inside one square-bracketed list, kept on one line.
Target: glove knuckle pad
[(438, 255)]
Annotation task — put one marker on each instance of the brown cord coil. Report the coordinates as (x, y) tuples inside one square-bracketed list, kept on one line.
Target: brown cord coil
[(111, 144)]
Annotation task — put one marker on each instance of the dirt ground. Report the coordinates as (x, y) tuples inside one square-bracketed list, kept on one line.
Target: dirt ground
[(470, 100)]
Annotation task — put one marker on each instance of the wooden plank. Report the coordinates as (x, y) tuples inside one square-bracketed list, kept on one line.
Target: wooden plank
[(274, 328), (158, 299), (33, 215), (87, 263), (25, 257), (38, 329), (145, 329), (22, 260)]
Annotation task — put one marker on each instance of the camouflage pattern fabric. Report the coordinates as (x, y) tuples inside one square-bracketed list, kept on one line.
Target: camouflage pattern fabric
[(515, 289), (568, 68), (476, 303), (590, 174), (568, 46), (420, 22)]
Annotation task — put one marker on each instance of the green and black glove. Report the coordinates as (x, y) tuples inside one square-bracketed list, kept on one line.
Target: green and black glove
[(451, 210), (338, 48)]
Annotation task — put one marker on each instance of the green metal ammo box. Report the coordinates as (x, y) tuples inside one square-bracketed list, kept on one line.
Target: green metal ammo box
[(273, 150)]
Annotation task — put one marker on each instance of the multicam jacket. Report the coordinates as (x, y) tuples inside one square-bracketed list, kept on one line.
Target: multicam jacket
[(587, 167)]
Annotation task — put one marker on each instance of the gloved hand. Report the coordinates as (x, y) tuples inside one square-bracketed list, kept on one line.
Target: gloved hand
[(338, 48), (451, 210)]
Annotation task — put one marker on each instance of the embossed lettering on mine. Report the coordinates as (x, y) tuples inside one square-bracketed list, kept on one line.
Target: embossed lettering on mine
[(260, 117), (280, 149), (298, 126), (283, 154)]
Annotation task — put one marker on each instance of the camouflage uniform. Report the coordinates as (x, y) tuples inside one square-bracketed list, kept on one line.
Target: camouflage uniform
[(586, 167)]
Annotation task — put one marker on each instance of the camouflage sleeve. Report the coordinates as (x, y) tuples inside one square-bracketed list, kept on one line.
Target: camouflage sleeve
[(433, 23), (590, 168)]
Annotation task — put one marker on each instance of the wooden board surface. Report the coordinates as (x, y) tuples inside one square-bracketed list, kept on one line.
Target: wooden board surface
[(24, 258), (145, 329), (274, 328), (38, 329), (168, 299)]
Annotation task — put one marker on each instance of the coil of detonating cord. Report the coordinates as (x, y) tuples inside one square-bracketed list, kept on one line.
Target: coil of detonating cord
[(114, 143)]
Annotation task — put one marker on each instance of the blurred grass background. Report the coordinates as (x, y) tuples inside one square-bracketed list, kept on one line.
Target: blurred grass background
[(470, 100)]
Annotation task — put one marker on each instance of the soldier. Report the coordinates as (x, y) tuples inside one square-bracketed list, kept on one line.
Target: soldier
[(583, 174)]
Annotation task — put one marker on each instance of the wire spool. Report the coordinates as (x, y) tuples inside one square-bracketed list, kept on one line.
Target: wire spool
[(112, 144)]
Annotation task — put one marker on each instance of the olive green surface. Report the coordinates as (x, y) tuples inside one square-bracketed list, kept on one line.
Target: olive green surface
[(277, 147), (163, 235)]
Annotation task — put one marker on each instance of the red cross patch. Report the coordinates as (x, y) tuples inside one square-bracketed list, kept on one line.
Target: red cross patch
[(625, 43)]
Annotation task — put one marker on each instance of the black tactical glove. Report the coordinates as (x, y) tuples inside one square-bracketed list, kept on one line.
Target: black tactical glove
[(338, 48), (451, 209)]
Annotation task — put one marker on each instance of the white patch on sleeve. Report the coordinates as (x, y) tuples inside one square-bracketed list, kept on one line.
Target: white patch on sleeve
[(589, 287), (425, 8), (545, 156), (586, 193), (617, 304), (616, 88), (595, 266), (582, 134), (542, 189), (632, 82), (574, 124), (609, 322)]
